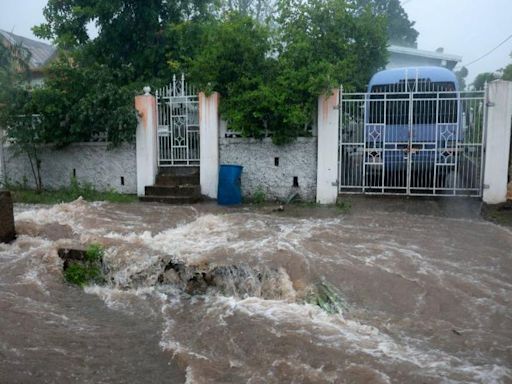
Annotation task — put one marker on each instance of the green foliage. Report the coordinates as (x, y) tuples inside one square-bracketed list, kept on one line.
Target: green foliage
[(259, 9), (269, 75), (88, 270), (131, 32), (270, 80), (79, 102), (482, 78), (400, 29), (74, 191), (94, 253), (343, 205), (507, 73), (233, 61), (461, 77), (259, 196)]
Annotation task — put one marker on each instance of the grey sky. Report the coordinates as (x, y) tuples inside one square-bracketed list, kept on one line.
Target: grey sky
[(468, 28)]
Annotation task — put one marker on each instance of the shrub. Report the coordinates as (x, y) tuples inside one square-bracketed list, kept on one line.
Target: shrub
[(86, 271), (259, 196)]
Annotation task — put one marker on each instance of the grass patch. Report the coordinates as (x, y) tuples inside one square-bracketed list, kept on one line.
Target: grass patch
[(66, 195), (259, 196), (87, 271), (343, 206)]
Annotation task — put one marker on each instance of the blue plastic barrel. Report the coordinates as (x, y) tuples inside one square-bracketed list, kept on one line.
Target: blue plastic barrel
[(230, 192)]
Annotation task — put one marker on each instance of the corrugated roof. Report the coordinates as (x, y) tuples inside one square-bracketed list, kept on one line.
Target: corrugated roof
[(40, 53)]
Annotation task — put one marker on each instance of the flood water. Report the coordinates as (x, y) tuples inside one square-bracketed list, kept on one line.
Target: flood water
[(426, 299)]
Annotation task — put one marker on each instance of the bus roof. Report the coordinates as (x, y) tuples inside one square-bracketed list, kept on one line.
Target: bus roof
[(393, 76)]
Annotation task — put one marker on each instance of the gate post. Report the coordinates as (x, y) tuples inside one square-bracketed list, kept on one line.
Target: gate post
[(328, 148), (209, 143), (146, 140), (497, 147)]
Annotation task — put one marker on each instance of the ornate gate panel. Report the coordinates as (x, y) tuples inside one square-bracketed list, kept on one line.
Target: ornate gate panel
[(178, 125), (412, 143)]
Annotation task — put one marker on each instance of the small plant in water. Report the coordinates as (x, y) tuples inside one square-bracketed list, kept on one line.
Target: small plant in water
[(88, 270), (94, 253), (343, 206), (327, 297)]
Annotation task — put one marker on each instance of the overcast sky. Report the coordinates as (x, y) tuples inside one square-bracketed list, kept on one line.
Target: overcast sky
[(469, 28)]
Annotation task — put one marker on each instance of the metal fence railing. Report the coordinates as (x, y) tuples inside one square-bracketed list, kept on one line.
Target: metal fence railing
[(415, 143), (178, 124)]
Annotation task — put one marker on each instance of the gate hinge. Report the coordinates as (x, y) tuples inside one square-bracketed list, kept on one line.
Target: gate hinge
[(490, 104), (487, 186), (337, 106)]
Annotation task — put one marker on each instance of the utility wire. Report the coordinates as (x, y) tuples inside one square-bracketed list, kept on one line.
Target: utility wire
[(488, 53)]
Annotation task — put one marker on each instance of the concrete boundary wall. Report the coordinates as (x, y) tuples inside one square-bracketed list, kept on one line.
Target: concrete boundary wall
[(273, 169), (94, 163)]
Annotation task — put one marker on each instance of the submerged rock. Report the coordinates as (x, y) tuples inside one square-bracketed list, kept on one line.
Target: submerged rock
[(231, 280), (7, 232)]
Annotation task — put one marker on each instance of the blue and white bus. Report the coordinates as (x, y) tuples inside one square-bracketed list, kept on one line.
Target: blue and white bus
[(414, 133)]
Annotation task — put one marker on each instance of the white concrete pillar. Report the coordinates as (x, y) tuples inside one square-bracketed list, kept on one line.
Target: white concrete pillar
[(209, 139), (497, 149), (328, 142), (146, 141)]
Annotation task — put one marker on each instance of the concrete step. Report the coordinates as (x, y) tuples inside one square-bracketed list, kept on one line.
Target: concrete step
[(176, 200), (174, 191), (169, 180)]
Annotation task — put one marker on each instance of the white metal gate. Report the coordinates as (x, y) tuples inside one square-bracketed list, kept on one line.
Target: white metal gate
[(178, 124), (412, 143)]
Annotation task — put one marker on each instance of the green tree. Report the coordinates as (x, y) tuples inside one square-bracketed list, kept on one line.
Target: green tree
[(507, 72), (399, 28), (259, 9), (234, 61), (270, 79), (81, 102), (461, 77), (22, 129), (482, 78), (131, 32)]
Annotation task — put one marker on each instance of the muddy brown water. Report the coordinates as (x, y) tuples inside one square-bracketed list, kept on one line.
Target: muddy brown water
[(428, 299)]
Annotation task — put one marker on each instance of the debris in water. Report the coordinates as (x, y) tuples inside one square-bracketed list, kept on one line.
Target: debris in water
[(327, 297), (278, 209)]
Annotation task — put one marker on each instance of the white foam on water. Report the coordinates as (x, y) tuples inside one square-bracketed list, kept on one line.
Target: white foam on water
[(64, 214), (260, 236), (360, 338)]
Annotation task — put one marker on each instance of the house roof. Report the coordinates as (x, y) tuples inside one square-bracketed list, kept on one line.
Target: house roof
[(40, 53), (428, 54)]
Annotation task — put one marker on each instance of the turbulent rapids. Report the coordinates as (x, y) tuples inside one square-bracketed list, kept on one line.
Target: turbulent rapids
[(204, 295)]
